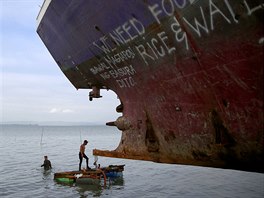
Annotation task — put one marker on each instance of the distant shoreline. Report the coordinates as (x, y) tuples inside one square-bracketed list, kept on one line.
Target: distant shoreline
[(51, 124)]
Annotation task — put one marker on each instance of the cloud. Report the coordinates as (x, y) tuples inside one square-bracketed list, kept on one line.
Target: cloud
[(56, 110), (67, 111)]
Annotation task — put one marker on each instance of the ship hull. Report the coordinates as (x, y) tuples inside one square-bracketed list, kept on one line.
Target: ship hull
[(189, 74)]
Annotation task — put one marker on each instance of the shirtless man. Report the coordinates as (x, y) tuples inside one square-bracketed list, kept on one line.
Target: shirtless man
[(82, 155)]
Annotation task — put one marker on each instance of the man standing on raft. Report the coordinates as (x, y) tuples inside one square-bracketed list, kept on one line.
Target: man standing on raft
[(82, 155)]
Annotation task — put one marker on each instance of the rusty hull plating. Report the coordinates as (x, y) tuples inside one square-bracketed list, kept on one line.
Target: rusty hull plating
[(189, 75)]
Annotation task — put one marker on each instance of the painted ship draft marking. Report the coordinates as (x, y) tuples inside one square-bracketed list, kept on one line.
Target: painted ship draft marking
[(188, 73)]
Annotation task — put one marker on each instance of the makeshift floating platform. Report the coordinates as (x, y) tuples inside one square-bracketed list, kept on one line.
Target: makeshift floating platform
[(91, 176)]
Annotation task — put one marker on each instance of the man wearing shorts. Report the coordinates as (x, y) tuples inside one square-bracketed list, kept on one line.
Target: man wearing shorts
[(82, 155)]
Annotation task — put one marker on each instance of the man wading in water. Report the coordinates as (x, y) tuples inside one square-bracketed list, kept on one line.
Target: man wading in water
[(82, 155), (46, 163)]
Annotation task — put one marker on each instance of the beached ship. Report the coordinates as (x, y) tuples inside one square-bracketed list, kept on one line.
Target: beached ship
[(188, 73)]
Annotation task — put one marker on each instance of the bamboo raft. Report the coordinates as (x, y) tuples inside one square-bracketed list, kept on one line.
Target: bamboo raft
[(91, 176)]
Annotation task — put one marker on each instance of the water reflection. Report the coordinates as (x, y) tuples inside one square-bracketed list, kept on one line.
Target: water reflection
[(88, 190), (47, 174), (118, 182), (95, 189)]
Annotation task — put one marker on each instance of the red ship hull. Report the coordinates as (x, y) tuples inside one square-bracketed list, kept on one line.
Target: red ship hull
[(189, 75)]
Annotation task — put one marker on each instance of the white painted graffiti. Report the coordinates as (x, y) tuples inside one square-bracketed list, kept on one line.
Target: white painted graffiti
[(108, 68), (112, 60), (250, 10), (156, 50), (121, 35), (157, 46), (123, 76), (120, 57), (126, 82), (120, 72), (168, 40), (99, 68)]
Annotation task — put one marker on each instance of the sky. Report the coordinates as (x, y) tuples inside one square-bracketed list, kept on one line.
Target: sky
[(33, 89)]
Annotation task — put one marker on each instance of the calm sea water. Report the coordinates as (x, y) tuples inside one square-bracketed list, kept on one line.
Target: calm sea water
[(22, 149)]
